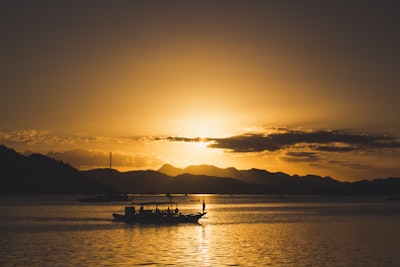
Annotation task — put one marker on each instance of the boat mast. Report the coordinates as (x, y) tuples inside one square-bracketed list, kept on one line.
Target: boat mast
[(109, 175)]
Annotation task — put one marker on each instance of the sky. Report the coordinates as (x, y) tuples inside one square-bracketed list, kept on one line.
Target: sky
[(301, 87)]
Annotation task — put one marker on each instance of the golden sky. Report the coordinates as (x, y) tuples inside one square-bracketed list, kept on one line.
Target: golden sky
[(302, 87)]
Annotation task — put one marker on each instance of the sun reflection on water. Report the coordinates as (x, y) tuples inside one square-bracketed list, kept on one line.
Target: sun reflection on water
[(203, 248)]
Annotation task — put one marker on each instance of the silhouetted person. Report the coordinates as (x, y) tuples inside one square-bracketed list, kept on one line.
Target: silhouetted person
[(204, 206)]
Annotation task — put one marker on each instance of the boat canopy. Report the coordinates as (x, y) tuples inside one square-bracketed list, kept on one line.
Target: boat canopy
[(154, 203)]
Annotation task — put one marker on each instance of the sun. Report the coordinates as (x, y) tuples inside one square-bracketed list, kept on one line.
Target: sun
[(202, 127), (202, 143)]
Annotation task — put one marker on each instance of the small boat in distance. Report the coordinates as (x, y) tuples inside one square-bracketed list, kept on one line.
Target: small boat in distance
[(157, 213), (107, 197)]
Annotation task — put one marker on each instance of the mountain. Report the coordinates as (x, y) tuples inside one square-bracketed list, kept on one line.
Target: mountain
[(201, 170), (262, 181), (157, 182), (189, 183), (252, 176), (132, 181), (38, 174), (170, 170)]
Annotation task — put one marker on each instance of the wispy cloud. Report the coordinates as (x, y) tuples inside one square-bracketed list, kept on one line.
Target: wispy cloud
[(82, 151), (28, 136), (35, 137), (182, 139)]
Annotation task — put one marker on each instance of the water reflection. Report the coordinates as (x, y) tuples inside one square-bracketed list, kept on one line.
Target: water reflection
[(203, 250), (237, 231)]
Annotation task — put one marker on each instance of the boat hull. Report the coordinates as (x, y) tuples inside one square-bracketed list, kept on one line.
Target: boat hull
[(159, 218)]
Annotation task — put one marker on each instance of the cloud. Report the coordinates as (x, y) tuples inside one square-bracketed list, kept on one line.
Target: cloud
[(301, 157), (40, 137), (181, 139), (35, 137), (81, 151), (90, 159), (282, 139), (28, 136), (82, 158), (328, 141)]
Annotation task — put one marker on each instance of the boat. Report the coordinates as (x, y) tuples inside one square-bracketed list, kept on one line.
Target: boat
[(107, 197), (157, 213)]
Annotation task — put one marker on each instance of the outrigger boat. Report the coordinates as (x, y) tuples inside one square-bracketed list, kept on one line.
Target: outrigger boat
[(149, 212)]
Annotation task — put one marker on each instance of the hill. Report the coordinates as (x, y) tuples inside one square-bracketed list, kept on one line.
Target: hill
[(256, 177), (253, 181), (38, 174), (204, 169), (262, 181), (132, 181), (156, 182)]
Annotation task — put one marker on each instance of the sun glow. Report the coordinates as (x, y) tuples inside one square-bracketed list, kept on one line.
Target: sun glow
[(202, 120), (202, 127), (202, 143)]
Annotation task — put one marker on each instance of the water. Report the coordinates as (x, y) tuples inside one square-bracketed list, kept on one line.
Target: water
[(237, 231)]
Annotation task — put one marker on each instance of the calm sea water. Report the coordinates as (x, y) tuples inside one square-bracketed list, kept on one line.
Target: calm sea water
[(237, 231)]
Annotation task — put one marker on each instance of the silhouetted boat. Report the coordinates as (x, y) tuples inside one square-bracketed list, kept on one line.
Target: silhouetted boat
[(150, 212), (107, 197)]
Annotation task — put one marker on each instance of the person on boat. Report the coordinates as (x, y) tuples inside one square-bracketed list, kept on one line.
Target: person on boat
[(204, 206)]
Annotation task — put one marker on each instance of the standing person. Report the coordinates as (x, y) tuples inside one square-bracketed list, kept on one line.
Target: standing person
[(204, 206)]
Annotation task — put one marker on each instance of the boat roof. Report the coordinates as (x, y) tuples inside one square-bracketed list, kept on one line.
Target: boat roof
[(154, 203)]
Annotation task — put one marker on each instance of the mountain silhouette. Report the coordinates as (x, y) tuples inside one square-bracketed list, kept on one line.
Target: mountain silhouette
[(253, 176), (262, 181), (39, 174), (132, 181), (204, 169)]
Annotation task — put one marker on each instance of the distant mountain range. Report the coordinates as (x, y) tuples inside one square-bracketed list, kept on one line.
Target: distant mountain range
[(38, 174)]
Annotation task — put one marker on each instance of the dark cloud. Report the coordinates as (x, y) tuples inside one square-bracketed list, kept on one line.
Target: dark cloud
[(301, 157), (333, 148), (244, 143), (328, 141)]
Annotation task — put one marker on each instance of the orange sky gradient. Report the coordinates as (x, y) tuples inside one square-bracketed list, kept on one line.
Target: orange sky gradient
[(302, 87)]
